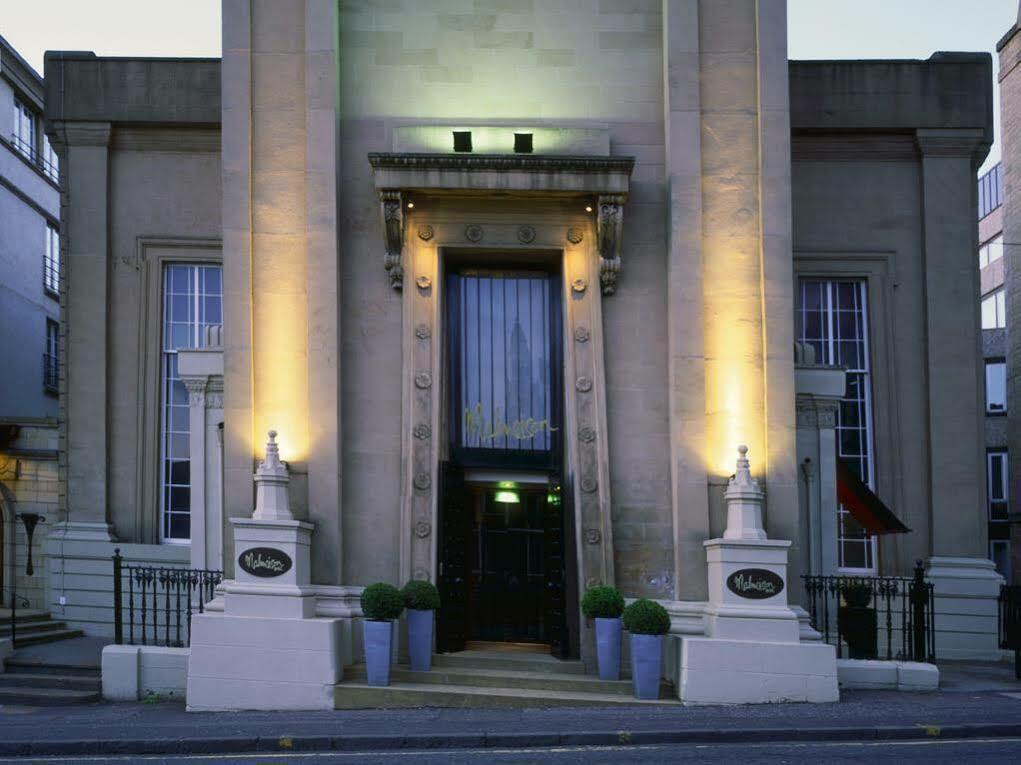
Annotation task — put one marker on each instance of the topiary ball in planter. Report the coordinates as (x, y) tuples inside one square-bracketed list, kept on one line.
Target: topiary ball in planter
[(646, 617), (421, 596), (382, 602), (605, 605), (602, 602)]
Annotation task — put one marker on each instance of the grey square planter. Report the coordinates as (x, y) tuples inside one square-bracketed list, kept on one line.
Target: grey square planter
[(420, 639), (608, 635), (378, 639), (646, 664)]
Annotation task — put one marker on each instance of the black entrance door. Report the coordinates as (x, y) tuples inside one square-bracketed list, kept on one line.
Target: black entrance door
[(502, 554), (452, 622)]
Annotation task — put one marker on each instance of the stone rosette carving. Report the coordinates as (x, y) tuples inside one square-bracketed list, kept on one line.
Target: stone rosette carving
[(422, 431), (575, 234), (423, 332), (589, 484), (423, 282), (392, 208), (526, 234), (586, 434), (609, 227), (423, 481), (583, 384), (591, 582), (593, 536), (579, 285), (474, 232), (423, 380), (582, 335), (425, 232), (420, 575), (423, 529)]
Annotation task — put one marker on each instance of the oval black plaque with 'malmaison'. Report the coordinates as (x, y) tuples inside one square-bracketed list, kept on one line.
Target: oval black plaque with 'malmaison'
[(754, 583), (265, 561)]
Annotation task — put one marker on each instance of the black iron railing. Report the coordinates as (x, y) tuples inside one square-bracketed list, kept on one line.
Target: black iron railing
[(16, 599), (873, 617), (1010, 623), (51, 372), (33, 154), (153, 605)]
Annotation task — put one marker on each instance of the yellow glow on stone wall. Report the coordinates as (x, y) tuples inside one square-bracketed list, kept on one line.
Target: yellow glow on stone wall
[(734, 368), (280, 358)]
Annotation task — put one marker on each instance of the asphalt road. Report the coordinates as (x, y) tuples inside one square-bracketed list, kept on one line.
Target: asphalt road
[(929, 752)]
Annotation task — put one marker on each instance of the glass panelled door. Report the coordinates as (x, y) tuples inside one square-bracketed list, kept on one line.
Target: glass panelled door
[(502, 552), (504, 345)]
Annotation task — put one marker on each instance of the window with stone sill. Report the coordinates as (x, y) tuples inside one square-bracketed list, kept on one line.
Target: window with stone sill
[(23, 133), (192, 301), (996, 387), (832, 317), (994, 310), (991, 251), (51, 262), (997, 493)]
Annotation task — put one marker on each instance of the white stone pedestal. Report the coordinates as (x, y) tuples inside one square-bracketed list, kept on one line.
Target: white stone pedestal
[(752, 652), (266, 650), (965, 591)]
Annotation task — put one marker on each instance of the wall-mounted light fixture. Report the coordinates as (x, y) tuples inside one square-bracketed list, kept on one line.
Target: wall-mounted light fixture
[(522, 143), (507, 497), (588, 208)]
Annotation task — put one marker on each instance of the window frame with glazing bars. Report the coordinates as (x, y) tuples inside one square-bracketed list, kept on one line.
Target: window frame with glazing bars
[(830, 338), (51, 358), (173, 399), (51, 262)]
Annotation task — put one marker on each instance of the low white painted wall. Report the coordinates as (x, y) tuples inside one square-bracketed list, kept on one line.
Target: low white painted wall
[(132, 672), (887, 675)]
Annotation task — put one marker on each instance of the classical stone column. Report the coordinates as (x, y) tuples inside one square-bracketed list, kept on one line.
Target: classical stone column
[(281, 270), (966, 583), (84, 166), (688, 467), (747, 283)]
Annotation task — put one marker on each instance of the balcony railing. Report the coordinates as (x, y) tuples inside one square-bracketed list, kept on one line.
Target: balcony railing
[(31, 152), (51, 372)]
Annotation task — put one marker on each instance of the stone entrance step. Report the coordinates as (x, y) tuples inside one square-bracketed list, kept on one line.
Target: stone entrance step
[(29, 682), (504, 660), (35, 627), (490, 679)]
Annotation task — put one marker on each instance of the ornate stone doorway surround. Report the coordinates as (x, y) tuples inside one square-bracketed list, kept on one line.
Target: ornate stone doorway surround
[(438, 206)]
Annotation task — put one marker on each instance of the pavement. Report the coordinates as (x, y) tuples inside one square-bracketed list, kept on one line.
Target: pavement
[(980, 702)]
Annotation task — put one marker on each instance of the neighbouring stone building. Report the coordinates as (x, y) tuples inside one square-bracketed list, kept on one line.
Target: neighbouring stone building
[(29, 326), (512, 281), (992, 294), (1009, 48)]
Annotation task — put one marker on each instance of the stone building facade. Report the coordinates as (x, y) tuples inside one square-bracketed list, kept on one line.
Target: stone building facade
[(697, 235), (29, 324)]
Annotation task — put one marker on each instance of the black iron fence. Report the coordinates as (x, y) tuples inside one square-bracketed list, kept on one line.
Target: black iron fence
[(1010, 623), (875, 617), (153, 605)]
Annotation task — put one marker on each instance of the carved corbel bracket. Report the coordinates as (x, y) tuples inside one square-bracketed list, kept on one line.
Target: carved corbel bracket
[(609, 232), (392, 206)]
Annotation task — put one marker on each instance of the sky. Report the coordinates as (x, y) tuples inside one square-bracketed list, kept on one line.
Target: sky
[(817, 28)]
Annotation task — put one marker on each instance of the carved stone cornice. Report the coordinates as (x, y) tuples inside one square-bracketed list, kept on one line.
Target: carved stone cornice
[(536, 163), (951, 143), (609, 231), (80, 134), (391, 204)]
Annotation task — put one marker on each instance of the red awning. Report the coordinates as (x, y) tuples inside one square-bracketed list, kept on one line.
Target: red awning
[(863, 505)]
